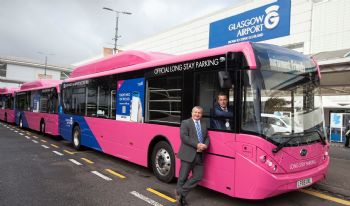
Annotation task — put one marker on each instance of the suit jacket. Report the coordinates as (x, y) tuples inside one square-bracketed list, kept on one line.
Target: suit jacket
[(218, 122), (189, 139)]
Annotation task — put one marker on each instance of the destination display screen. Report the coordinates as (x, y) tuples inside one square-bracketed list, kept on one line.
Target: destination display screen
[(279, 59)]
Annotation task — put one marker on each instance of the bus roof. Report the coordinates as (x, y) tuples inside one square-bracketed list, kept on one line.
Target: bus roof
[(40, 84), (96, 66), (116, 61), (8, 90)]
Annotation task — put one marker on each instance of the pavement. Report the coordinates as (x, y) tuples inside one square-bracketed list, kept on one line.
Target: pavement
[(43, 170), (338, 179)]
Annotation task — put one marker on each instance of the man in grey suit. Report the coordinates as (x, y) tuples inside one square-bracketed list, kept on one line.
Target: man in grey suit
[(194, 142)]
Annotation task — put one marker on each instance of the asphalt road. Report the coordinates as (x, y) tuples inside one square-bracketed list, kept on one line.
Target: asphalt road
[(45, 170)]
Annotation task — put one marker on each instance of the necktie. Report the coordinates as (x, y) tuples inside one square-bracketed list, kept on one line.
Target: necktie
[(199, 132)]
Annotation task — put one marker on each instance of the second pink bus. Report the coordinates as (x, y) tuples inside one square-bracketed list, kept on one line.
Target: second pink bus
[(37, 106)]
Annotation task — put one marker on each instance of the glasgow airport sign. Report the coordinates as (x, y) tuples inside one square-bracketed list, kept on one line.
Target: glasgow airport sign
[(263, 23)]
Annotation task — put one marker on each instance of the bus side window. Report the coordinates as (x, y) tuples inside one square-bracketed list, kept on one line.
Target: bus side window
[(113, 104), (1, 102), (91, 98), (164, 100), (106, 96)]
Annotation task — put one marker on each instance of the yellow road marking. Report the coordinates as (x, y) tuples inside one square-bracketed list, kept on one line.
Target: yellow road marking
[(161, 195), (69, 152), (115, 173), (326, 197), (43, 140), (55, 146), (87, 160)]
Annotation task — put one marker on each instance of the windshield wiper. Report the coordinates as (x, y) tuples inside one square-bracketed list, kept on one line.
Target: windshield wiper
[(280, 146), (322, 137)]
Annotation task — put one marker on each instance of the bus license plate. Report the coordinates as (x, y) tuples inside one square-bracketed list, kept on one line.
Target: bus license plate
[(304, 182)]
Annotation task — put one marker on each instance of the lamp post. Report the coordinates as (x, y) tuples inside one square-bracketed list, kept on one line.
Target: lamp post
[(45, 54), (116, 25)]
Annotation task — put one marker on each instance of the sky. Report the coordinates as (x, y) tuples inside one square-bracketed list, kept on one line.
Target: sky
[(70, 31)]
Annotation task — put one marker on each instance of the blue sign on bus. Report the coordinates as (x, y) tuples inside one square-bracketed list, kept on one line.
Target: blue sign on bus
[(266, 22), (130, 100)]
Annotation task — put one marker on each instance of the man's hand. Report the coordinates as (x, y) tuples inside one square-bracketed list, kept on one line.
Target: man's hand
[(201, 147)]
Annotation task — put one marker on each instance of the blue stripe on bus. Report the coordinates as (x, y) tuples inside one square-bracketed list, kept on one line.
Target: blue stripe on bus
[(88, 139), (24, 119)]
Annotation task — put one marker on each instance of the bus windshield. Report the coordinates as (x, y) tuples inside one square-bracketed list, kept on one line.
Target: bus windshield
[(282, 98)]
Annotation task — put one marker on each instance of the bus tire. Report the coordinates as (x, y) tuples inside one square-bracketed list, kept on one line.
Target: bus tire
[(76, 138), (5, 118), (42, 127), (163, 162), (20, 124)]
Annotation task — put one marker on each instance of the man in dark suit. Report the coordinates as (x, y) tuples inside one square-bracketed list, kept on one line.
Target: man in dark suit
[(194, 142), (222, 113)]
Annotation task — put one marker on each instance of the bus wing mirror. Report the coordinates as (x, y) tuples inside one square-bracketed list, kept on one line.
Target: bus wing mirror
[(236, 61), (224, 80)]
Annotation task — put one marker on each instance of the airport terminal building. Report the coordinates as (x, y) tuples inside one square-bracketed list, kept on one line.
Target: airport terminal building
[(318, 28), (15, 71)]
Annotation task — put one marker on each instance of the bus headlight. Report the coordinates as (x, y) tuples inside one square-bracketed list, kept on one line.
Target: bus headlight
[(263, 158), (325, 155), (268, 163)]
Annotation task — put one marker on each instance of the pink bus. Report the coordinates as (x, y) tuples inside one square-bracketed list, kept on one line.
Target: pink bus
[(130, 105), (37, 106), (7, 105)]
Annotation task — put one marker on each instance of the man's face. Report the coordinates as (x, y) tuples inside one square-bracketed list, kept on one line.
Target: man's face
[(197, 114), (222, 101)]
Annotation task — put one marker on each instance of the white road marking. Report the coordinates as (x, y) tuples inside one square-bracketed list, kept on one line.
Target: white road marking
[(11, 129), (58, 153), (27, 137), (146, 199), (46, 147), (75, 162), (16, 131), (21, 134), (101, 175), (35, 141)]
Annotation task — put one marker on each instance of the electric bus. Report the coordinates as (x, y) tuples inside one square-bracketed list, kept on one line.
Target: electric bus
[(7, 105), (130, 105), (37, 106)]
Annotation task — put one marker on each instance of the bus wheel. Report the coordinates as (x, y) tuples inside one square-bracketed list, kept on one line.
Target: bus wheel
[(163, 162), (76, 137), (20, 122), (5, 119), (42, 127)]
